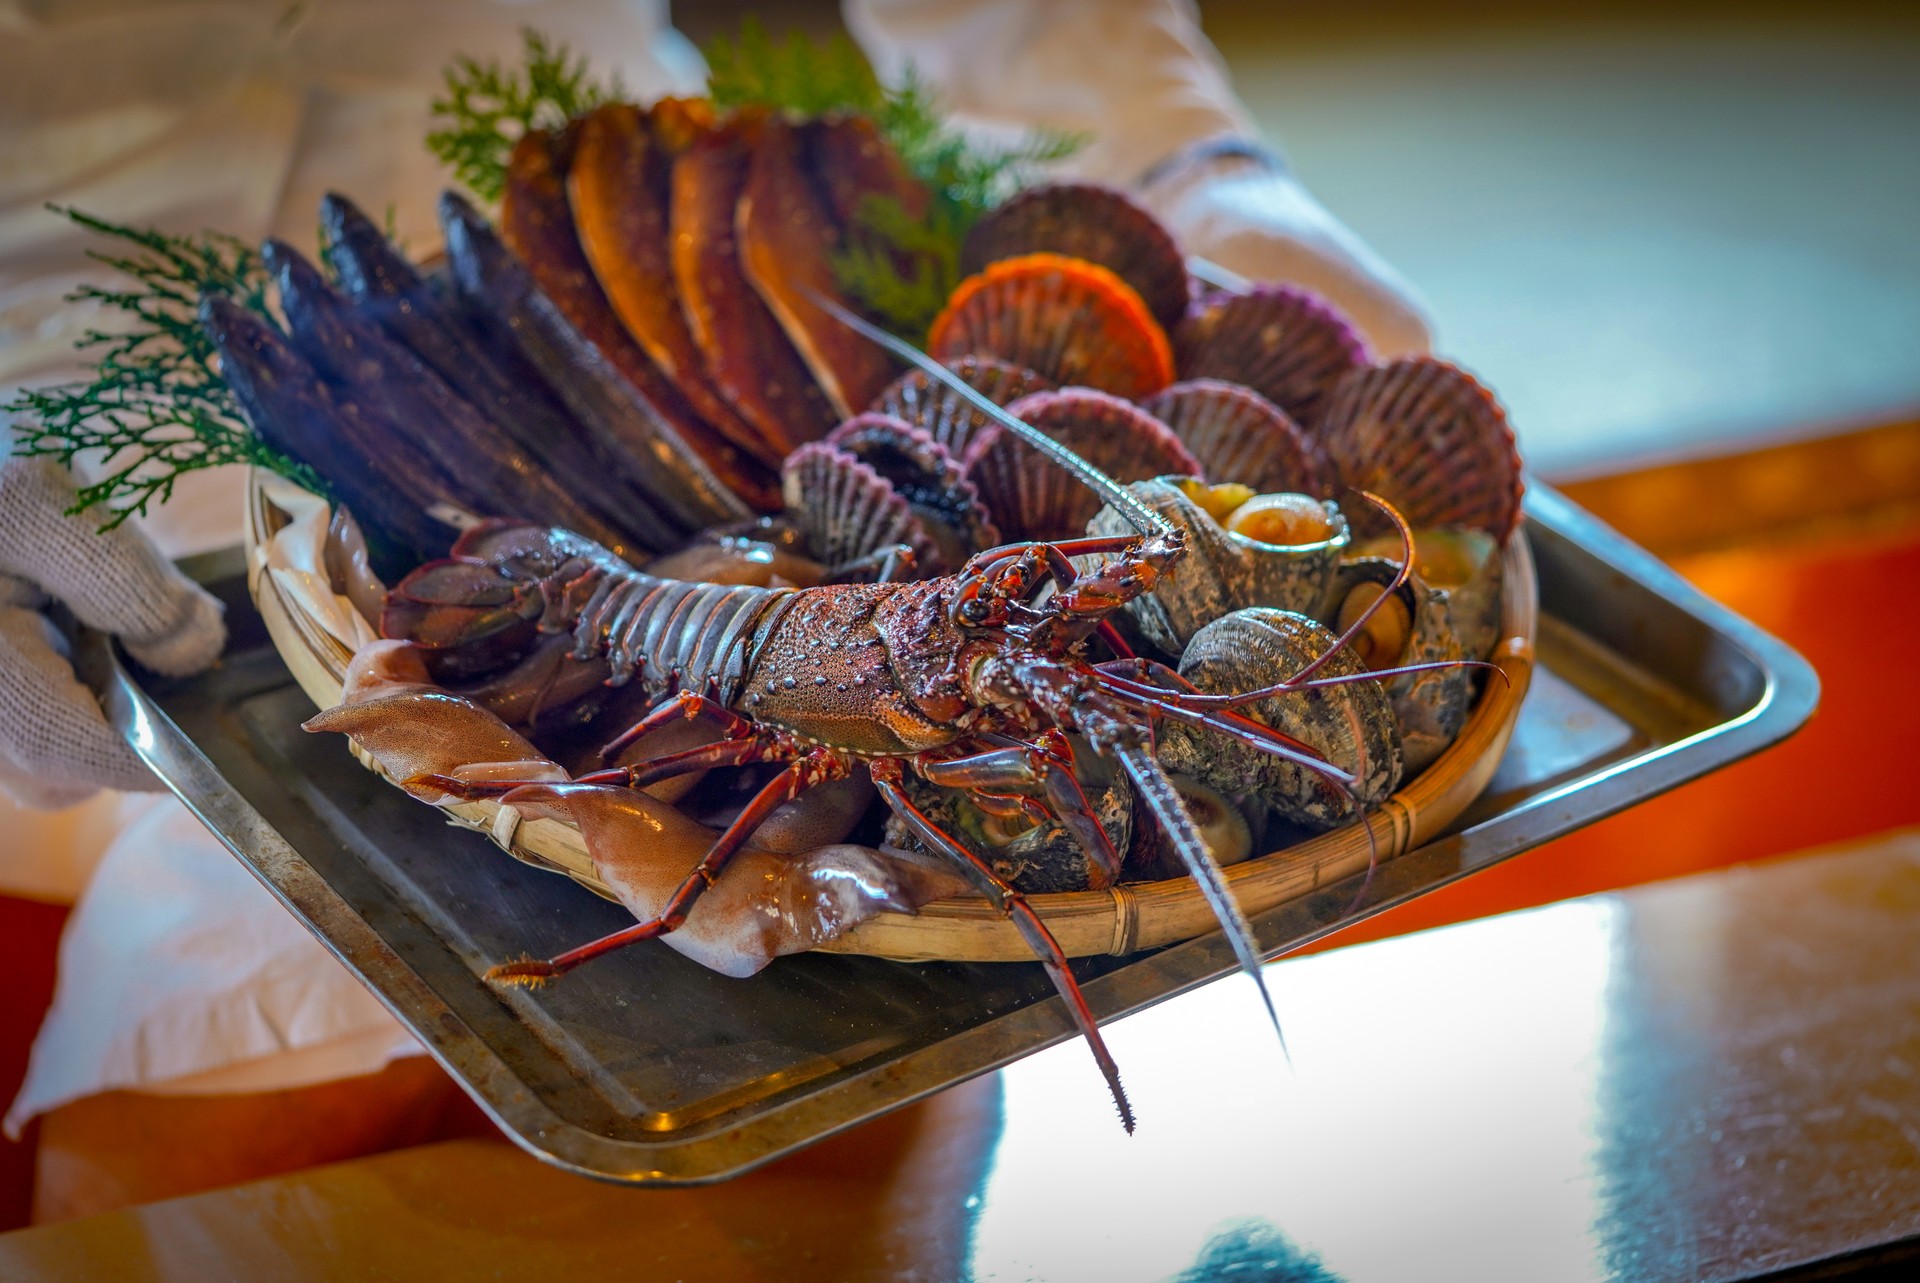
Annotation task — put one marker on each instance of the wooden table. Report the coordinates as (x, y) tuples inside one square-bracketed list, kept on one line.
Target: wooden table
[(1712, 1078)]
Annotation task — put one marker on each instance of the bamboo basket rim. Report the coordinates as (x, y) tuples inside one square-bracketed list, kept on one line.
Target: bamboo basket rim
[(1118, 920)]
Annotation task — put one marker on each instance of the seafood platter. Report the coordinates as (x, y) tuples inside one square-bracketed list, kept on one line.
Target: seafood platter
[(1109, 609), (863, 587)]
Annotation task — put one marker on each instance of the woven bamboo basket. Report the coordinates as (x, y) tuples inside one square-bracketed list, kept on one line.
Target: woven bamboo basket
[(1118, 920)]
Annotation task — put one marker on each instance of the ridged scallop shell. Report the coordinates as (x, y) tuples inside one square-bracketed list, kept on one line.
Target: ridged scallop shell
[(1351, 725), (1098, 224), (956, 423), (1238, 435), (847, 510), (927, 476), (1073, 321), (1430, 439), (1288, 344), (1222, 571), (1032, 497), (1430, 707), (1464, 564)]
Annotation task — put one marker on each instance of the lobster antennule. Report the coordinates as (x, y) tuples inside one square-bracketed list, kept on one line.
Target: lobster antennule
[(1138, 515), (1177, 706), (1360, 622), (1032, 928), (1164, 801)]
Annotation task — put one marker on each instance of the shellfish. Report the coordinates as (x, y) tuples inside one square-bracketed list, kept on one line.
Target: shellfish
[(1351, 725), (1431, 439), (1086, 221), (1288, 344), (1072, 321), (1415, 628), (1224, 571), (1466, 565), (1030, 500), (1238, 435), (1035, 853), (956, 423), (877, 483)]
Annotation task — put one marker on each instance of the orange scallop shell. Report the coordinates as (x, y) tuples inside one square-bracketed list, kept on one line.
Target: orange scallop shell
[(1090, 222), (1069, 320)]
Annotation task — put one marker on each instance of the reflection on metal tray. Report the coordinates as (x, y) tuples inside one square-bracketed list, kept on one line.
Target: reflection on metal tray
[(647, 1067)]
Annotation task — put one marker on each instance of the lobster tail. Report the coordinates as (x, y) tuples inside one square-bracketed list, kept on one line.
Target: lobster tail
[(484, 607), (508, 584)]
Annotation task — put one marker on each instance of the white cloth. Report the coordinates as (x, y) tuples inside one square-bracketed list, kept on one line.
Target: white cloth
[(179, 972), (1255, 219), (55, 746)]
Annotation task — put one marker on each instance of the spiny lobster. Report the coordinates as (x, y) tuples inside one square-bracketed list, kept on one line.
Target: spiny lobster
[(972, 681)]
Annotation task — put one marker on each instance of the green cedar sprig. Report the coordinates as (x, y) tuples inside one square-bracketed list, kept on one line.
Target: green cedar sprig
[(487, 108), (796, 75), (155, 407)]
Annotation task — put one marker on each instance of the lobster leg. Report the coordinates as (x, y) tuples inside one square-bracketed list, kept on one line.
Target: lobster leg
[(739, 752), (687, 704), (886, 778), (817, 767), (894, 563), (1046, 764)]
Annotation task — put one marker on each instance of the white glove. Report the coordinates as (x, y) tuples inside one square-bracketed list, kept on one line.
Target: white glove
[(1140, 78), (55, 745), (1240, 207)]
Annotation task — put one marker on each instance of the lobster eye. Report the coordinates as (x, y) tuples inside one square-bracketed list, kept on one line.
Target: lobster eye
[(974, 611)]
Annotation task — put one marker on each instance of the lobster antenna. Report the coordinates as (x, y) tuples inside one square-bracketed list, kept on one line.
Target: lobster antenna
[(1138, 515), (1164, 801)]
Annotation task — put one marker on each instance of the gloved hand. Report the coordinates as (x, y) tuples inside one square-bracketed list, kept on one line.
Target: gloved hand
[(55, 745), (1141, 81)]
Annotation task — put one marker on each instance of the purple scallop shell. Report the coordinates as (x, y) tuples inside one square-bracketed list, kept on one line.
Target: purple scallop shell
[(1087, 221), (926, 475), (1238, 435), (1288, 344), (846, 510), (956, 423), (1032, 497), (1430, 439)]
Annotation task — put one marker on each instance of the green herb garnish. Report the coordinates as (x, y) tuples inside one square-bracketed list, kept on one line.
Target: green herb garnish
[(798, 75), (900, 269), (487, 108), (155, 407)]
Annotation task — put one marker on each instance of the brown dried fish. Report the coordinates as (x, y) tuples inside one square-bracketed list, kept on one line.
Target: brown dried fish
[(787, 239), (746, 351), (619, 187)]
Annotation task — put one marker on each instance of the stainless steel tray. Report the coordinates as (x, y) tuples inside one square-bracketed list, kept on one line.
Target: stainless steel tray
[(647, 1068)]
